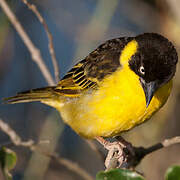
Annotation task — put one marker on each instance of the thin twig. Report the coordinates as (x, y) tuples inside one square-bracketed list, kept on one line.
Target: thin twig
[(35, 53), (30, 144), (13, 136), (165, 143), (36, 56), (33, 8)]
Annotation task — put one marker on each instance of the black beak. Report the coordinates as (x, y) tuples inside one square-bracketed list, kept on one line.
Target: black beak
[(149, 90)]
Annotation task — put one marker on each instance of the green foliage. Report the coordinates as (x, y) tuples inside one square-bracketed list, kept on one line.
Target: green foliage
[(118, 174), (7, 161), (173, 173)]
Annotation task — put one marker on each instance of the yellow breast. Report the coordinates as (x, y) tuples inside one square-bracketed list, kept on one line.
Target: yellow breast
[(117, 106)]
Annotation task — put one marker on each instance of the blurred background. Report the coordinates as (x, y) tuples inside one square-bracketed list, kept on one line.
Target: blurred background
[(78, 27)]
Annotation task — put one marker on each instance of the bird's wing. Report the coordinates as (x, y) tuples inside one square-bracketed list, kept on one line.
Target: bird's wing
[(88, 73), (75, 81)]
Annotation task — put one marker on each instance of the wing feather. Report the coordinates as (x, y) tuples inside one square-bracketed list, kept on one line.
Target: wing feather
[(88, 73)]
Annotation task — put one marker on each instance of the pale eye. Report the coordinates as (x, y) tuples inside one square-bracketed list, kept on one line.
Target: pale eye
[(142, 70)]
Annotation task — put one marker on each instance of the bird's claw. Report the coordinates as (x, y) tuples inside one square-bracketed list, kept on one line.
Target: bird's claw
[(115, 154)]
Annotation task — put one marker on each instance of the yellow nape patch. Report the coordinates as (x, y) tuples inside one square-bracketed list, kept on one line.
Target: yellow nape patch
[(129, 50)]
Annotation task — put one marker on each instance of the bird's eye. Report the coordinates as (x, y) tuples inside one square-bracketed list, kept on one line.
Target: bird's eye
[(142, 70)]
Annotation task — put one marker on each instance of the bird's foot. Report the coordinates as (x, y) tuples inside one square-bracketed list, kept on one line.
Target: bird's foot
[(119, 152), (115, 156), (127, 145)]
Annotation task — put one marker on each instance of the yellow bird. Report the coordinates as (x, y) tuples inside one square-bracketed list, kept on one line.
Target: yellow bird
[(119, 85)]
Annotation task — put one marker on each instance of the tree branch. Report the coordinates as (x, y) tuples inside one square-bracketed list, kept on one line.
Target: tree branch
[(132, 160), (34, 9), (35, 53), (36, 56), (31, 145)]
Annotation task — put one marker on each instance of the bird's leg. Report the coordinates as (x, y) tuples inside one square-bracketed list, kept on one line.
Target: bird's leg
[(112, 147)]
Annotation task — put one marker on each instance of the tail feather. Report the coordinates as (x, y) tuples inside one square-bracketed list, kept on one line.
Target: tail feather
[(40, 94)]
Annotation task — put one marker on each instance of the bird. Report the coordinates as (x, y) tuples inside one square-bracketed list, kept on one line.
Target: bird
[(118, 86)]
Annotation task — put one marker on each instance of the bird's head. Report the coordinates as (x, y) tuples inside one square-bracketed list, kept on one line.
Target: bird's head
[(154, 62)]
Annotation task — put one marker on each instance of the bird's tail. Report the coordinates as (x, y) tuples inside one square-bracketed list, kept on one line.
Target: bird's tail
[(41, 94)]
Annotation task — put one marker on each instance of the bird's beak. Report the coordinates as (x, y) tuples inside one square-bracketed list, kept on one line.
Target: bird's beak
[(149, 90)]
